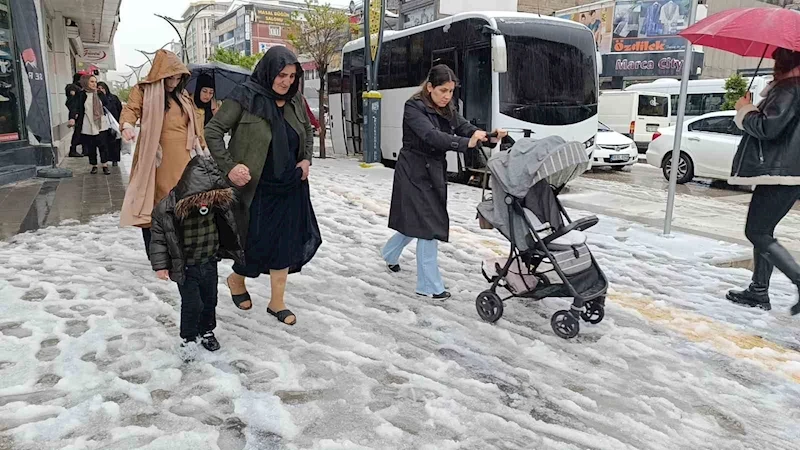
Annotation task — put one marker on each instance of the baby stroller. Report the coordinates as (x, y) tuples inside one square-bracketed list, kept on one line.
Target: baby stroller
[(549, 256)]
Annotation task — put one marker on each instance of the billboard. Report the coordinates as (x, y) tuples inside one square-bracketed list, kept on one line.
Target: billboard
[(597, 17), (649, 25)]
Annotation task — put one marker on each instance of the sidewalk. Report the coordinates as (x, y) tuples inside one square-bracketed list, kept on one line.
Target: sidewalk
[(39, 203)]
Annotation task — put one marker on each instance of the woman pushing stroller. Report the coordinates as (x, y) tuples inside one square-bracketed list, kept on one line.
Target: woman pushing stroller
[(431, 127)]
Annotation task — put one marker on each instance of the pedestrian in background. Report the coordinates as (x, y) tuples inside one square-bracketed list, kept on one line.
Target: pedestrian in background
[(431, 127), (72, 90), (170, 130), (269, 158), (114, 106), (769, 157), (204, 98), (88, 116)]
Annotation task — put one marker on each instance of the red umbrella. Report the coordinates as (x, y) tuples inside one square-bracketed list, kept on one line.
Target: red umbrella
[(755, 32)]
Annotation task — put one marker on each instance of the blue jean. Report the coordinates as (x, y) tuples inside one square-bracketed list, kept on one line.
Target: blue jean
[(429, 279)]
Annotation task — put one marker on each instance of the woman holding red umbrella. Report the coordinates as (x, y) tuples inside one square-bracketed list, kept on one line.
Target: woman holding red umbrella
[(769, 157)]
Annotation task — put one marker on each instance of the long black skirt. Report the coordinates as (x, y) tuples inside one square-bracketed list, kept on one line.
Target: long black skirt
[(282, 232)]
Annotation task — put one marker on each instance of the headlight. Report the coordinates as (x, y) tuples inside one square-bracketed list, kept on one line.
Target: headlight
[(634, 147), (588, 144)]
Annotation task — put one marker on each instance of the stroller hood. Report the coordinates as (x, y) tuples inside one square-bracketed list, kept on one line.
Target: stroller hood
[(532, 160)]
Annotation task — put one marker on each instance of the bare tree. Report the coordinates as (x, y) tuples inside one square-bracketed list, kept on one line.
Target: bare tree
[(320, 32)]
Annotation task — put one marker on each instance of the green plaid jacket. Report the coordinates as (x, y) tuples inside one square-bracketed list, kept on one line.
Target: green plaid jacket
[(200, 238)]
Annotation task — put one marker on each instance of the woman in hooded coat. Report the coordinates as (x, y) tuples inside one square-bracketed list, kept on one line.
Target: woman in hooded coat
[(269, 157), (204, 97), (170, 129), (114, 106)]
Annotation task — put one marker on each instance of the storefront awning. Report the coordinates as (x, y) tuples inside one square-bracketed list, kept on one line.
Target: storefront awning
[(96, 19)]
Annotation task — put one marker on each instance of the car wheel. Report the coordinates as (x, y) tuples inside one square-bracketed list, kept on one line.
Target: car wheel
[(685, 168)]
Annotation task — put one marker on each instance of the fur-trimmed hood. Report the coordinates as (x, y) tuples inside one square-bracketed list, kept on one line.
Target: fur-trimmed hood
[(202, 185)]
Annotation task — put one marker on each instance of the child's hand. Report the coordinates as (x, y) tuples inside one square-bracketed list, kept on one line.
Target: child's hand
[(163, 274)]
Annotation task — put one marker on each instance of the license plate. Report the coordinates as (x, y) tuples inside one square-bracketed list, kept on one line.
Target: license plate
[(651, 128), (619, 158)]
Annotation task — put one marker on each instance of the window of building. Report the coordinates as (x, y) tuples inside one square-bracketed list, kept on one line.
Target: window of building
[(10, 114), (275, 31)]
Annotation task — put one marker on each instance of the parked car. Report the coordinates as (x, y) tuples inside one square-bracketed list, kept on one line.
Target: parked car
[(708, 145), (613, 149)]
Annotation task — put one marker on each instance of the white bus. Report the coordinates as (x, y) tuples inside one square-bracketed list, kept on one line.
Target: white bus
[(521, 72), (704, 96)]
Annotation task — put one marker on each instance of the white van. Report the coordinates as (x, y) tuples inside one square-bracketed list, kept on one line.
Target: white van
[(704, 96), (635, 114)]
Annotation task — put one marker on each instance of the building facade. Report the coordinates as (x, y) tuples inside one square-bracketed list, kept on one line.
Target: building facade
[(253, 28), (199, 32)]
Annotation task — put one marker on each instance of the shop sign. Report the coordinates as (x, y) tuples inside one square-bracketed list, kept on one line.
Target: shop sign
[(647, 64), (648, 45), (272, 17)]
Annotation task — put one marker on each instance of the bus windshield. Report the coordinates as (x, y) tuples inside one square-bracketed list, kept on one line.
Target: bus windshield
[(551, 77)]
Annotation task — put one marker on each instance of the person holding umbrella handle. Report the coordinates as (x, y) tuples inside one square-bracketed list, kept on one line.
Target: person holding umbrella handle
[(769, 158)]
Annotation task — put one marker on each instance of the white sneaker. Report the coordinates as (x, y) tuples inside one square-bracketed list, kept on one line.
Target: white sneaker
[(188, 350)]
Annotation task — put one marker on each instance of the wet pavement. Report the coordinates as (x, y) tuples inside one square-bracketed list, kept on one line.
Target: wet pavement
[(710, 209), (38, 203), (650, 177)]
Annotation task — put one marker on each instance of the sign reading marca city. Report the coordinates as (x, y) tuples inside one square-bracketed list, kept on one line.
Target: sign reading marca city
[(647, 64)]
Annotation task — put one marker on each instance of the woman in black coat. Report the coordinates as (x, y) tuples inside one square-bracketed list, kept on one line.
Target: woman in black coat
[(769, 157), (114, 106), (431, 127)]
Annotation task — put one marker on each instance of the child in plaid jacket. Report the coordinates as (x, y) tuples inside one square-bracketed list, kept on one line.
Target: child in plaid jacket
[(192, 228)]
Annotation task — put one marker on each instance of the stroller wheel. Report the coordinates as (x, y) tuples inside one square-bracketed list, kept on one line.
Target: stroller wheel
[(565, 324), (594, 314), (489, 306)]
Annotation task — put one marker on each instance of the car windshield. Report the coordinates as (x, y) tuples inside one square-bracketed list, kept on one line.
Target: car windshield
[(602, 127)]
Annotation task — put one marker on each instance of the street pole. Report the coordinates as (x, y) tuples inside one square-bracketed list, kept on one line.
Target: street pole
[(676, 147), (374, 13), (188, 23)]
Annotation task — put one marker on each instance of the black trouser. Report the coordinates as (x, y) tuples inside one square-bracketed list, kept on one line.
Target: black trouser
[(198, 300), (147, 236), (114, 146), (768, 206), (76, 140), (94, 144)]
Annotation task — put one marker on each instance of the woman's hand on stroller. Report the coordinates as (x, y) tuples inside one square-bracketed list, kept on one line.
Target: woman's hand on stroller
[(498, 134), (477, 136)]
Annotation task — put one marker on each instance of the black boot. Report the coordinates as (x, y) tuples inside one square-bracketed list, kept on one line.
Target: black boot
[(757, 295), (784, 261)]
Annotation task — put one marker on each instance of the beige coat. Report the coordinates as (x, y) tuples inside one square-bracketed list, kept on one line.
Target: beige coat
[(174, 156)]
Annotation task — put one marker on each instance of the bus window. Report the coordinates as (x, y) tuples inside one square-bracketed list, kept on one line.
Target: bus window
[(399, 66), (653, 106), (477, 87), (335, 82), (447, 57)]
